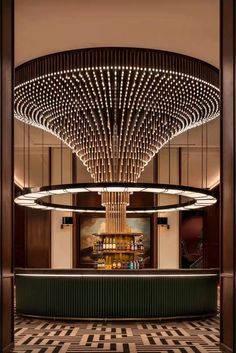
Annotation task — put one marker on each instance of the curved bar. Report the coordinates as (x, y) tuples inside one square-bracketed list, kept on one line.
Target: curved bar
[(145, 294)]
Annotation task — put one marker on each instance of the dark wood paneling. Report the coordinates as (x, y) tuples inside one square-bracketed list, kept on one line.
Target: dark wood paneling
[(38, 243), (7, 311), (154, 231), (227, 307), (32, 236), (211, 233), (19, 234), (75, 253), (228, 166), (19, 237), (191, 228), (92, 199), (6, 174), (88, 199)]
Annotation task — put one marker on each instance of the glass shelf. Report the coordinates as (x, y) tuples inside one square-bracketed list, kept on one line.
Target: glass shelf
[(119, 252)]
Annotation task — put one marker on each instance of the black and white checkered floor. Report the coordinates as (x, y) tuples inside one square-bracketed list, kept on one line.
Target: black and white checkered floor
[(41, 336)]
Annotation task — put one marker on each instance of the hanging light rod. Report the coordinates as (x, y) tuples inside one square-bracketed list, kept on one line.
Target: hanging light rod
[(33, 197)]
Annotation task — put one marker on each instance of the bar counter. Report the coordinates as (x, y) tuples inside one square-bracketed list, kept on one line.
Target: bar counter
[(116, 294)]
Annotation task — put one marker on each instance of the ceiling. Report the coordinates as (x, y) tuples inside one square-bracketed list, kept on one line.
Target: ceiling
[(185, 26), (189, 27)]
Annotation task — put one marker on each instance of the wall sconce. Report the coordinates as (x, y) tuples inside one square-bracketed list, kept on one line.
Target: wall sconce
[(66, 221), (163, 222)]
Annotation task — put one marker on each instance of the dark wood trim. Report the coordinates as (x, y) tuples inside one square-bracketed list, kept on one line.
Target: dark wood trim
[(50, 239), (49, 165), (228, 169), (9, 348), (75, 227), (38, 238), (226, 275), (19, 233), (180, 239), (211, 232), (6, 174), (154, 231), (50, 200), (180, 213), (225, 349), (180, 165)]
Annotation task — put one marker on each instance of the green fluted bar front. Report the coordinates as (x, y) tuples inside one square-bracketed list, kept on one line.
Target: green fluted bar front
[(107, 297)]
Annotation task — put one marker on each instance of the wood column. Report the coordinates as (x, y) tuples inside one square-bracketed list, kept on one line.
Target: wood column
[(228, 165), (6, 175), (211, 233), (155, 233), (75, 245)]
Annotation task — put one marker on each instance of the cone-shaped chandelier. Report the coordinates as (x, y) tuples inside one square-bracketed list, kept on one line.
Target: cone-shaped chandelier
[(116, 107)]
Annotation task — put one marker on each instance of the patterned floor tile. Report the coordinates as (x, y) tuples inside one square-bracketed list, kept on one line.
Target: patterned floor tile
[(42, 336)]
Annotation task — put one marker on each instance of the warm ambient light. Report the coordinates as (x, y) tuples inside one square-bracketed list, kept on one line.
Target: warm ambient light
[(117, 275), (198, 198), (116, 107)]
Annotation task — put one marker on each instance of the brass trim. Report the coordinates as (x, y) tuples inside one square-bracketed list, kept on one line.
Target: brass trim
[(122, 318)]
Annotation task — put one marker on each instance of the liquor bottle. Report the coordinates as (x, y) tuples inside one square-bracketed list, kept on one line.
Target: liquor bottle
[(110, 243), (141, 265), (110, 263), (138, 245), (114, 244), (142, 246), (132, 246), (128, 245), (135, 246), (114, 265)]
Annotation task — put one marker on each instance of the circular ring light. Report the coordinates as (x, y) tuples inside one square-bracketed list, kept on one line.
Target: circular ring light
[(33, 197)]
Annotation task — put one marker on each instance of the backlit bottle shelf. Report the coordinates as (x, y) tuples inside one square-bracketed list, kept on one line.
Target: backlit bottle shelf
[(119, 252)]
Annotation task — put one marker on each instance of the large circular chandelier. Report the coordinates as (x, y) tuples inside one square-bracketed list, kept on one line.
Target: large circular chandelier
[(116, 107), (196, 198)]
